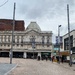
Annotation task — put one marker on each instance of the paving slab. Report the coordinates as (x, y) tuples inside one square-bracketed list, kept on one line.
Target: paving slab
[(5, 68), (34, 67)]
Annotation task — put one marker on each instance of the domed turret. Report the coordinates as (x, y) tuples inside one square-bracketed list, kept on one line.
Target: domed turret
[(33, 26)]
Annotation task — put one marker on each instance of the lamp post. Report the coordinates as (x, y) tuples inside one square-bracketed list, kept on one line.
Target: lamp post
[(11, 50), (33, 45), (33, 49), (59, 40), (70, 63)]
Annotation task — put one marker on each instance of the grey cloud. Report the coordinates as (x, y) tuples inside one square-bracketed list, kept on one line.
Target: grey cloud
[(23, 9), (72, 26), (65, 28), (41, 8)]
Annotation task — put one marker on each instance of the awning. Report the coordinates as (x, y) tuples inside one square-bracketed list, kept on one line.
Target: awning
[(65, 53)]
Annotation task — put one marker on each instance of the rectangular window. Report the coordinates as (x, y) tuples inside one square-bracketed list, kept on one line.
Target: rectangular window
[(2, 38), (9, 38), (33, 41), (17, 44), (1, 44), (14, 39), (48, 43), (17, 39), (21, 44), (4, 44), (8, 45), (43, 38), (21, 39), (66, 43), (5, 38)]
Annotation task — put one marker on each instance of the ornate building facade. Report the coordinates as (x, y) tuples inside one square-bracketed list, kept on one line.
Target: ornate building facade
[(30, 43)]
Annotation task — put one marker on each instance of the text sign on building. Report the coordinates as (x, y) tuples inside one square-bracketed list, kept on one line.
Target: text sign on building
[(56, 48), (58, 40)]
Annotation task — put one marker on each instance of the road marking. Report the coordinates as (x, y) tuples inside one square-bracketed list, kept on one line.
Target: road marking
[(11, 70)]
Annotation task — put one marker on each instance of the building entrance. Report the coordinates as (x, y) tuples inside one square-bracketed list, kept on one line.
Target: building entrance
[(4, 54), (45, 54), (32, 55), (17, 54)]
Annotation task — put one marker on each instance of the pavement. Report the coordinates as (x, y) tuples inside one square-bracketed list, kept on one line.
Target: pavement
[(5, 68), (34, 67)]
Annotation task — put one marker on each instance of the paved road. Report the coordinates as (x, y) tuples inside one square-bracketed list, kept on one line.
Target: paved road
[(34, 67)]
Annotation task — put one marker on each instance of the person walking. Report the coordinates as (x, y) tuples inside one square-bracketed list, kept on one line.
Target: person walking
[(46, 58), (52, 58)]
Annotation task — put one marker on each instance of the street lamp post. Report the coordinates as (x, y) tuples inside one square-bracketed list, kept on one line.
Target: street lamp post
[(59, 40), (11, 50), (70, 63), (33, 49), (33, 45)]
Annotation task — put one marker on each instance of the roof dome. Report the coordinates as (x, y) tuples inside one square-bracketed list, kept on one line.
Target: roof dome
[(33, 26)]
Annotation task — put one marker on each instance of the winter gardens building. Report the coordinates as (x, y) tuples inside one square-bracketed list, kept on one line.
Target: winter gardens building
[(27, 43)]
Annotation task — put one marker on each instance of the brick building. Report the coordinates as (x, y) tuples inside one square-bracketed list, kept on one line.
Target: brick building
[(6, 25)]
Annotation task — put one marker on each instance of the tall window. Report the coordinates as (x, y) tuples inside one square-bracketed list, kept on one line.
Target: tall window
[(32, 40), (13, 40), (48, 43), (9, 38), (43, 38), (5, 38), (2, 38), (21, 40), (17, 40), (66, 43)]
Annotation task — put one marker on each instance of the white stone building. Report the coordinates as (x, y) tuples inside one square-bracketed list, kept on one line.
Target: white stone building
[(27, 44)]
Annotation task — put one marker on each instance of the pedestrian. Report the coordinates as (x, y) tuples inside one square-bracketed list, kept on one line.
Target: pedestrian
[(46, 58), (62, 59), (52, 58), (42, 58), (57, 59), (38, 58)]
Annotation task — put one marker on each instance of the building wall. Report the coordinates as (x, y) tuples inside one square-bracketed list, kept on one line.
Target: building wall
[(6, 25), (22, 40), (72, 33)]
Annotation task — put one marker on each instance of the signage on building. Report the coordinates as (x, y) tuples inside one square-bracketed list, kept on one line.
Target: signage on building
[(60, 39), (56, 48)]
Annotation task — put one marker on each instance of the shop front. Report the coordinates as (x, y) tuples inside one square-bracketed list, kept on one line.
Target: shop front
[(45, 55), (65, 56)]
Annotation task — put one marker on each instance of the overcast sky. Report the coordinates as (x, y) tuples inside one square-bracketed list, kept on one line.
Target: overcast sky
[(47, 13)]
